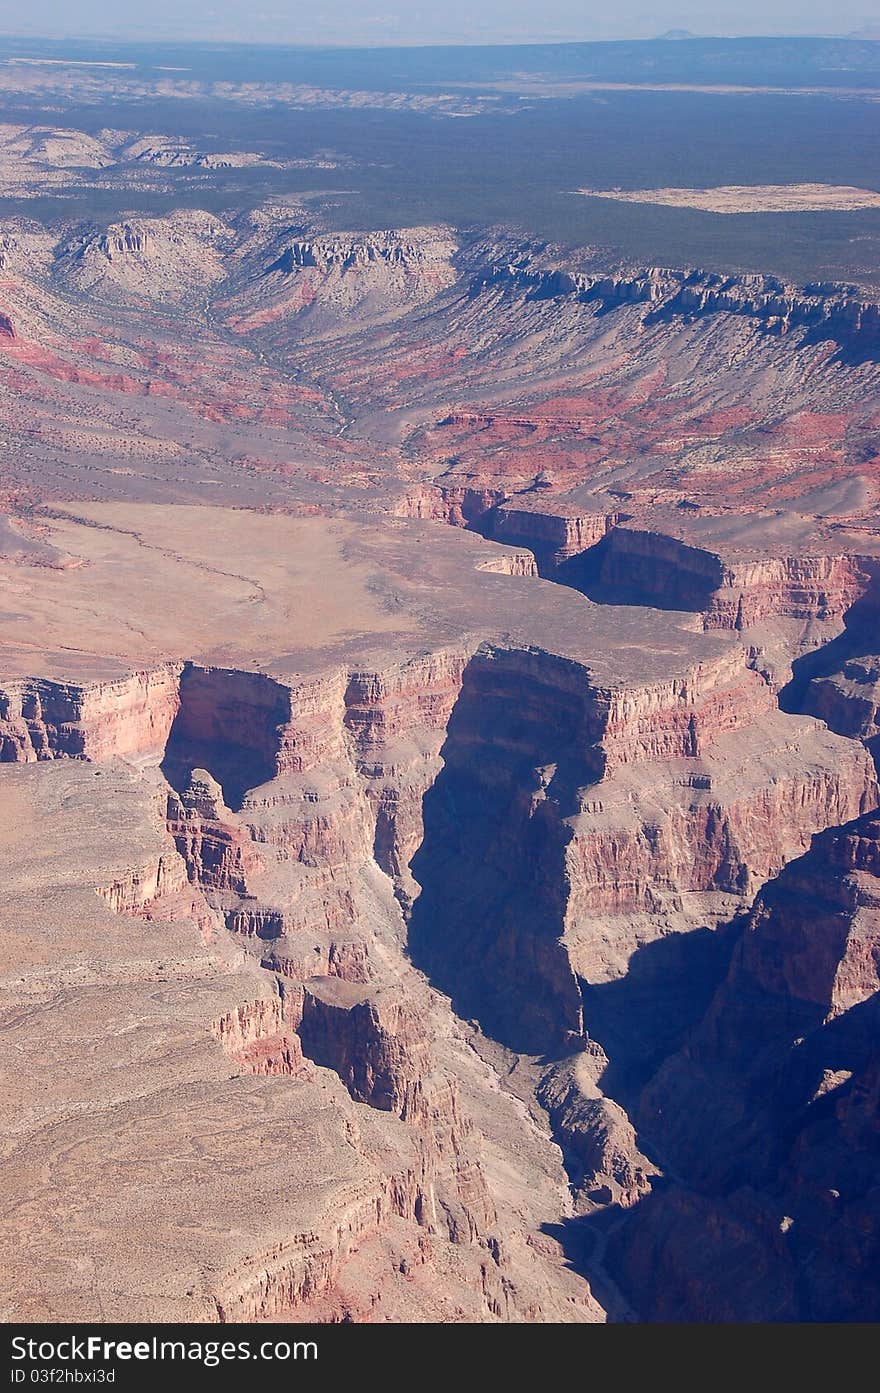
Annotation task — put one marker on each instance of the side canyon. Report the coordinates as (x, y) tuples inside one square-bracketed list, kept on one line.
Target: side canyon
[(439, 692)]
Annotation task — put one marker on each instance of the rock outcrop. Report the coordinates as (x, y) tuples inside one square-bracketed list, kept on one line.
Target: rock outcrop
[(828, 311), (768, 1118), (131, 716), (598, 1140), (324, 279), (171, 258), (403, 900)]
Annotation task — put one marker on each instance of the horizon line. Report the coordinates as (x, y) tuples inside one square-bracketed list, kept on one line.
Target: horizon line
[(325, 45)]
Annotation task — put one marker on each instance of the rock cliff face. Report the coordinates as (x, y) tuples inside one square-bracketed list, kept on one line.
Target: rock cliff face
[(651, 568), (610, 557), (397, 1218), (554, 538), (768, 1116), (259, 1038), (561, 804), (346, 253), (310, 834), (324, 279), (828, 311), (849, 702), (598, 1140), (432, 894), (523, 827), (48, 720), (152, 258), (565, 813)]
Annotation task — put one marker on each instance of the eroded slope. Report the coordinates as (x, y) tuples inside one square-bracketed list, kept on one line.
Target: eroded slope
[(430, 879)]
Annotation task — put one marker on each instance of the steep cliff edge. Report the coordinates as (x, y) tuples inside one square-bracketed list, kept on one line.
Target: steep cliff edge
[(133, 716), (295, 277), (570, 824), (768, 1118), (308, 838), (825, 311), (437, 899), (167, 1028), (735, 576)]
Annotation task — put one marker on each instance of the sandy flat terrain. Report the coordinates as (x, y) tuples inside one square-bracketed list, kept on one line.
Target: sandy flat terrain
[(198, 575), (133, 586), (751, 198)]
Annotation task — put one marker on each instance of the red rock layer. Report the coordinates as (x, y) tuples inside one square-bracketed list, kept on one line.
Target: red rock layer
[(50, 720)]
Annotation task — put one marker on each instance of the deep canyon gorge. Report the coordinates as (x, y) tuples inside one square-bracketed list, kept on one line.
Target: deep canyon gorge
[(439, 690)]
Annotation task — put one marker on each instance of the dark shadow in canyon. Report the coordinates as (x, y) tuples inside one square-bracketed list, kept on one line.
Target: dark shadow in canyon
[(855, 333), (229, 724), (487, 925), (583, 1239), (768, 1210), (641, 1018), (854, 658), (610, 575), (859, 639)]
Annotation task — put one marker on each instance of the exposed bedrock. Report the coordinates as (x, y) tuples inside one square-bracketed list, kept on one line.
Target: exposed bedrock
[(129, 716), (334, 280), (123, 240), (228, 722), (159, 878), (379, 1041), (407, 250), (554, 537), (259, 1038), (567, 823), (768, 1115), (598, 1141), (725, 820), (396, 723), (217, 852), (519, 809), (132, 1004), (849, 701), (821, 312), (628, 565), (732, 594), (840, 317), (488, 921), (310, 835), (294, 1274), (566, 800), (840, 683), (607, 554), (455, 504), (528, 830), (374, 1041)]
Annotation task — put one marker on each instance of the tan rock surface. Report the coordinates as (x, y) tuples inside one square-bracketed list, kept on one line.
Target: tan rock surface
[(373, 855)]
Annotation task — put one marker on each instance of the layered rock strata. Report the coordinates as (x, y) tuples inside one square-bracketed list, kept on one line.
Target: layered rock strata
[(768, 1118)]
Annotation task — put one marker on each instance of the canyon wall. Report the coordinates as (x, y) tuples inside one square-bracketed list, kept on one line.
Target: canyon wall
[(522, 828), (767, 1117), (825, 311), (130, 716)]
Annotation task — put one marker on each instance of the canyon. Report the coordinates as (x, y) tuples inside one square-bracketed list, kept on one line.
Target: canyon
[(438, 719)]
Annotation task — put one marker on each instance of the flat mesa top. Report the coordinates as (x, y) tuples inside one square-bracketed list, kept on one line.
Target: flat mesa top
[(751, 198), (130, 586)]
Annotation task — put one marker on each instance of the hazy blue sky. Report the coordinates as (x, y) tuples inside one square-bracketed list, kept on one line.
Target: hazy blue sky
[(437, 21)]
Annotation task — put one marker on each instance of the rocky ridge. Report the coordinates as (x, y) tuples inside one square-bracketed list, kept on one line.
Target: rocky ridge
[(486, 859)]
